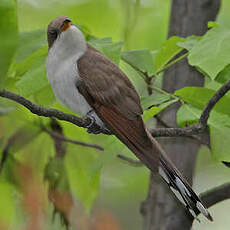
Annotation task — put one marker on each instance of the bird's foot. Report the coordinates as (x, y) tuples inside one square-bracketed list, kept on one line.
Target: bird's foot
[(93, 127)]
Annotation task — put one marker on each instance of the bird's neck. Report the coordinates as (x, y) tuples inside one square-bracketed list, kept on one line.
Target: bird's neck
[(70, 44)]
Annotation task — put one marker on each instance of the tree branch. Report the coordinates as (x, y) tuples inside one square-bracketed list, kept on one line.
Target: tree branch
[(178, 132), (212, 102), (216, 195), (62, 138), (195, 129)]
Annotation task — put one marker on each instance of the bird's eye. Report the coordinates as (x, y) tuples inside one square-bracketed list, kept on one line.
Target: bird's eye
[(53, 33)]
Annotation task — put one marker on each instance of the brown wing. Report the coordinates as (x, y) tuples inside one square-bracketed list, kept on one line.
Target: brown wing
[(107, 84)]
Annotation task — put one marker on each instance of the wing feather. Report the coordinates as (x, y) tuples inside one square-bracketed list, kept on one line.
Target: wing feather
[(107, 84)]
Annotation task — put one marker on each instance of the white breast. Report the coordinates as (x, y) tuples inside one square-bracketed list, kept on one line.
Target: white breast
[(62, 70)]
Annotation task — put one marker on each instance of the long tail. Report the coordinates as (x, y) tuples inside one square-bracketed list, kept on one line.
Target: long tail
[(139, 140), (177, 183), (181, 188)]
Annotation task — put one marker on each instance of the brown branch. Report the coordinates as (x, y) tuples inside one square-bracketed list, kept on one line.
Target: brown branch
[(60, 147), (212, 102), (197, 128), (178, 132), (216, 195), (62, 138)]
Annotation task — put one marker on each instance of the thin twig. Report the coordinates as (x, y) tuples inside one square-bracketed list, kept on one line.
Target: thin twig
[(212, 102), (135, 163), (62, 138), (216, 195)]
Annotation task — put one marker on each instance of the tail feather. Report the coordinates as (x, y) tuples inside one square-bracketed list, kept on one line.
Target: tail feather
[(182, 189), (139, 140)]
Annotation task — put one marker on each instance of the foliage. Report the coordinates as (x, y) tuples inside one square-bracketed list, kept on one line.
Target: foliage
[(9, 33), (32, 155)]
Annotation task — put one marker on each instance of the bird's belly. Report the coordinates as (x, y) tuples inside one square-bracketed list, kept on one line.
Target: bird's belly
[(63, 82)]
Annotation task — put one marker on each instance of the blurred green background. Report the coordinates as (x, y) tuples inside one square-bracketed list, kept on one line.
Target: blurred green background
[(142, 25)]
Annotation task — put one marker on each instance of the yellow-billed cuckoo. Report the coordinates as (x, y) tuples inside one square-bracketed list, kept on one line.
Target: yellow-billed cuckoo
[(91, 85)]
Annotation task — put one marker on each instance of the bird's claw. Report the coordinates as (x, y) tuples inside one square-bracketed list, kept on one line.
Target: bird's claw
[(93, 127)]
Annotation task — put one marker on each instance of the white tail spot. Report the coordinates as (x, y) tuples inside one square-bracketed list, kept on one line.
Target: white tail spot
[(201, 208), (178, 195), (182, 187), (163, 174)]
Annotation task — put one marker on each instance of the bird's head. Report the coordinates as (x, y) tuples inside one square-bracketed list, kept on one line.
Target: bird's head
[(56, 27)]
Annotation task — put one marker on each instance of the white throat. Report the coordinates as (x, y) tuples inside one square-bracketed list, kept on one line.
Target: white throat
[(70, 44)]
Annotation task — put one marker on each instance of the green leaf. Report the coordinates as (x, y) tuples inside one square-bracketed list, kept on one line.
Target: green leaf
[(83, 178), (36, 58), (135, 77), (6, 202), (219, 140), (212, 24), (55, 173), (22, 137), (211, 53), (6, 107), (198, 97), (8, 37), (187, 115), (29, 43), (143, 60), (167, 52), (214, 85), (151, 112), (154, 100), (189, 43), (156, 109), (33, 80), (224, 75), (108, 48), (86, 31), (45, 96)]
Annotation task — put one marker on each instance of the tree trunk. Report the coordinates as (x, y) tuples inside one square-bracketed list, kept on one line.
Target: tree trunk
[(161, 210)]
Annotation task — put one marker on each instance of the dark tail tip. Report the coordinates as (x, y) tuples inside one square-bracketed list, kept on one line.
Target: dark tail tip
[(209, 217)]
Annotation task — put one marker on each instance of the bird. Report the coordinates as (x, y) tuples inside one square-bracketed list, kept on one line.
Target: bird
[(94, 87)]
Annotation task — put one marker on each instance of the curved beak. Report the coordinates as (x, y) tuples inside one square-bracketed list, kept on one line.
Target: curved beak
[(66, 25)]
